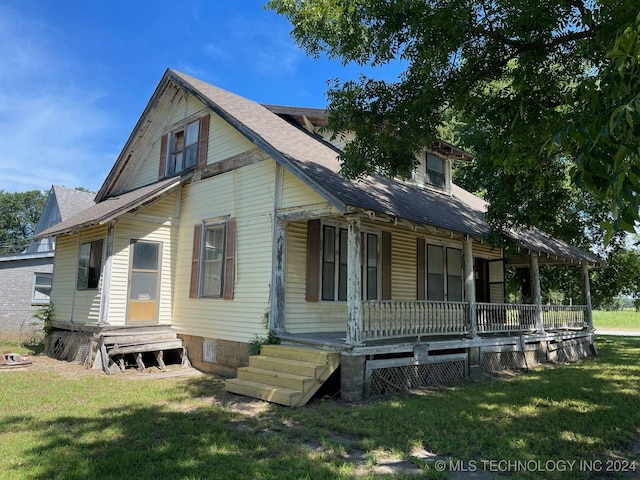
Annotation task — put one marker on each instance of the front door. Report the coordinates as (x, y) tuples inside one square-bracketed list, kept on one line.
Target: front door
[(481, 272), (144, 279)]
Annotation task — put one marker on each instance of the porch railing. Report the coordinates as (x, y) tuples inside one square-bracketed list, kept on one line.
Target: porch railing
[(394, 319), (559, 317), (505, 317)]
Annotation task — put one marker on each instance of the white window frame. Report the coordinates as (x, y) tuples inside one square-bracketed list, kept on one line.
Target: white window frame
[(172, 164), (35, 285), (338, 226), (99, 270), (206, 227)]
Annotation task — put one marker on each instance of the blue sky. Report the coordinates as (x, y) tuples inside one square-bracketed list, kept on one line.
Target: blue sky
[(76, 75)]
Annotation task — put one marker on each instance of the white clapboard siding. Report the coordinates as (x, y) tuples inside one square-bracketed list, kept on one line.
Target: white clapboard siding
[(245, 194)]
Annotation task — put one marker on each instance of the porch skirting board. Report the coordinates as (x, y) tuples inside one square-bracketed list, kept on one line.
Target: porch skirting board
[(431, 365)]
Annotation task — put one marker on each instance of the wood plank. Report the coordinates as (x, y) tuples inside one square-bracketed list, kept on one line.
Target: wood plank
[(147, 347)]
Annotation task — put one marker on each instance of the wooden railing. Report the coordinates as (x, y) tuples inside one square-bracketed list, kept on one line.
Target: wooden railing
[(395, 319), (560, 317), (505, 317)]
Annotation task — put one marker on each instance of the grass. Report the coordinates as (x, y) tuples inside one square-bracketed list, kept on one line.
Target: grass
[(65, 424), (617, 320)]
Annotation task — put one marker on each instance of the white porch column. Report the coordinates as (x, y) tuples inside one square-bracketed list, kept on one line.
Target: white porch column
[(105, 288), (536, 292), (354, 283), (470, 284), (586, 292), (277, 300)]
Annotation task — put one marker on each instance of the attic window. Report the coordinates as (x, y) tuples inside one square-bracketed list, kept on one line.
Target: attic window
[(183, 148), (435, 171)]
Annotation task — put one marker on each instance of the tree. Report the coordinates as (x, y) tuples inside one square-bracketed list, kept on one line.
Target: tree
[(19, 215), (621, 276), (521, 78)]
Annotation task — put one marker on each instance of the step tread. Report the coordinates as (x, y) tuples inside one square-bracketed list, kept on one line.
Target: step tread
[(280, 395), (298, 353)]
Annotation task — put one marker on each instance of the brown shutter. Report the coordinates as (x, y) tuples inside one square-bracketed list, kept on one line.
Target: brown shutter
[(421, 270), (162, 168), (229, 259), (195, 261), (313, 260), (203, 140), (386, 265)]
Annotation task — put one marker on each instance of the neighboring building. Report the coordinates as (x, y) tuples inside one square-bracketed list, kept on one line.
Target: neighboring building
[(25, 278), (219, 211)]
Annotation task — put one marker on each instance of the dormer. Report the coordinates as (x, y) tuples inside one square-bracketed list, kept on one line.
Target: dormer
[(433, 169)]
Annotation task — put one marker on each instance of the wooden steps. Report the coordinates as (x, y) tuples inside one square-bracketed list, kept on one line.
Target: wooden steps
[(116, 343), (285, 375)]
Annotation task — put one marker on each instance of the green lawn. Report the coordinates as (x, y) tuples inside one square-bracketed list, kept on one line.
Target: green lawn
[(618, 320), (63, 422)]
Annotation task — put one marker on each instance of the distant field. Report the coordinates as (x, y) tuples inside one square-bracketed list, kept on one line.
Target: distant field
[(619, 320)]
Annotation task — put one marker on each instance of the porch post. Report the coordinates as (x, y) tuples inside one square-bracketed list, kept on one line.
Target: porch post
[(277, 301), (470, 284), (105, 288), (586, 292), (354, 283), (537, 294)]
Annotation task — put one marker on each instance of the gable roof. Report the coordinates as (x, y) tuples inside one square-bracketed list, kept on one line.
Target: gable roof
[(316, 163), (111, 208)]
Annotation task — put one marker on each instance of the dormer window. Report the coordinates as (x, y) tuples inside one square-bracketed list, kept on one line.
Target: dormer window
[(183, 148), (435, 171)]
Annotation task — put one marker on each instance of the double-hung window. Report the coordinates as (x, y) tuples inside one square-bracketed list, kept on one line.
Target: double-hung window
[(444, 274), (89, 265), (435, 171), (183, 148), (41, 292), (213, 260), (334, 264)]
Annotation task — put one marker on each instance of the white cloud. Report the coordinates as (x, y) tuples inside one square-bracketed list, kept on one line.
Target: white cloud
[(49, 126)]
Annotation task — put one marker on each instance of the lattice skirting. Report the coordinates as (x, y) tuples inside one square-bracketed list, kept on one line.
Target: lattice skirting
[(402, 378), (571, 350), (70, 346), (498, 361)]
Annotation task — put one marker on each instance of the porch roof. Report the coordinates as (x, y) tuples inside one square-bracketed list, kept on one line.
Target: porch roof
[(111, 208)]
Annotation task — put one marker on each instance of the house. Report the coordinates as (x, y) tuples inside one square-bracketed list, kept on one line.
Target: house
[(221, 213), (25, 278)]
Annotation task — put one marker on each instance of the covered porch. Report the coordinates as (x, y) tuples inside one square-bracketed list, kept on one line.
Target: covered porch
[(391, 344)]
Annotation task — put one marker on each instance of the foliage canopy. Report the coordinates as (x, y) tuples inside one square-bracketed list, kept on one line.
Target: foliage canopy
[(19, 215), (541, 92)]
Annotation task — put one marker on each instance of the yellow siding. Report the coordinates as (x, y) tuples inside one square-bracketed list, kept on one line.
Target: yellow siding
[(296, 193), (245, 194), (303, 316), (70, 304), (225, 141), (64, 276), (186, 106), (136, 229), (403, 265)]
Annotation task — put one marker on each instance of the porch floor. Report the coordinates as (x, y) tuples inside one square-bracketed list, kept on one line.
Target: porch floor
[(338, 340)]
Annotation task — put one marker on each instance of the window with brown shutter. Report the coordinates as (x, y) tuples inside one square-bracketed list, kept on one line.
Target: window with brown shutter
[(213, 260), (184, 148), (162, 168), (421, 269), (313, 260), (204, 140)]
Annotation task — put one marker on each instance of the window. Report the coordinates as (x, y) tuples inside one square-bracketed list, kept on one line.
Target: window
[(435, 171), (213, 260), (89, 265), (334, 264), (41, 292), (444, 274), (183, 148)]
